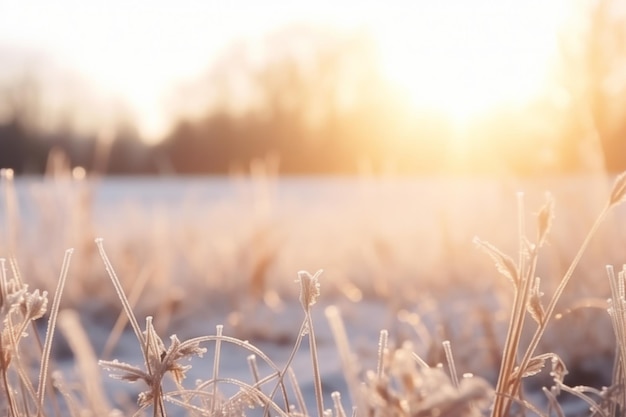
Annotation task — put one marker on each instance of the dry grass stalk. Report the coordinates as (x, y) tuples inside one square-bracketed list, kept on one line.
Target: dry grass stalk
[(216, 364), (382, 352), (510, 380), (309, 292), (54, 311), (19, 308), (617, 312), (158, 360), (339, 410), (451, 366), (297, 391), (348, 361), (69, 324), (12, 210)]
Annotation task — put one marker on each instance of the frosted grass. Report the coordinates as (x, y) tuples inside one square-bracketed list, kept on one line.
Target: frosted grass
[(404, 246)]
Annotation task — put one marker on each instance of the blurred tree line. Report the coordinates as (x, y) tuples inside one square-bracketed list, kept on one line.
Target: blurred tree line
[(312, 101)]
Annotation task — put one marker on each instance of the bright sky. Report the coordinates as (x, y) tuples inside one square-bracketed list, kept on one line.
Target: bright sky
[(458, 56)]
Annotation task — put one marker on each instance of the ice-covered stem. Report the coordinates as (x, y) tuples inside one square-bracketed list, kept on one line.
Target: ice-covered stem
[(281, 374), (155, 349), (450, 359), (559, 291), (122, 296), (4, 283), (12, 210), (4, 355), (339, 410), (309, 291), (382, 350), (246, 346), (521, 234), (618, 194), (47, 347), (317, 379), (216, 363), (617, 312), (254, 368), (297, 390), (521, 278)]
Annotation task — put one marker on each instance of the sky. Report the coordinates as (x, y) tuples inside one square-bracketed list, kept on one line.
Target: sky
[(137, 53)]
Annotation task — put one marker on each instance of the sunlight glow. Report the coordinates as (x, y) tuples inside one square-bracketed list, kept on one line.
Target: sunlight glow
[(466, 58), (459, 57)]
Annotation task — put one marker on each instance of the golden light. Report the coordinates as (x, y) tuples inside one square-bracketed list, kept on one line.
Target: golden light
[(459, 57), (465, 59)]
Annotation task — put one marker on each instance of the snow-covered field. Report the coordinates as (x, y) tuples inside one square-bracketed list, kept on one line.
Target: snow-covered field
[(397, 254)]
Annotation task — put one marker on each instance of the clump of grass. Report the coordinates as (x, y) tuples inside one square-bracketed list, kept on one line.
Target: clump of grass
[(528, 298), (19, 309), (159, 361)]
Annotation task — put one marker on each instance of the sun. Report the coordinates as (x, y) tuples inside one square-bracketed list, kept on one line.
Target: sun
[(465, 59)]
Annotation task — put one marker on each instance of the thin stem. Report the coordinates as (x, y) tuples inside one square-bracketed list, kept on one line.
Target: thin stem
[(47, 347), (4, 367), (252, 390), (451, 367), (216, 364), (316, 370), (297, 390), (254, 368), (341, 340), (122, 319), (16, 360), (281, 374), (382, 349), (555, 298), (4, 282), (122, 296), (517, 318), (339, 411), (521, 227), (514, 333), (158, 408), (148, 343), (592, 404)]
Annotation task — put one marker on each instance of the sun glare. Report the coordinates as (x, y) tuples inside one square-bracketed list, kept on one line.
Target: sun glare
[(465, 59), (461, 58)]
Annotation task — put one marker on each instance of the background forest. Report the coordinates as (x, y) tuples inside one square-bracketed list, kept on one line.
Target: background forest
[(309, 100)]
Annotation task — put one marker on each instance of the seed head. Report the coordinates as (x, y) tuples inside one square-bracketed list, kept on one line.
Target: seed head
[(544, 220), (309, 288)]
